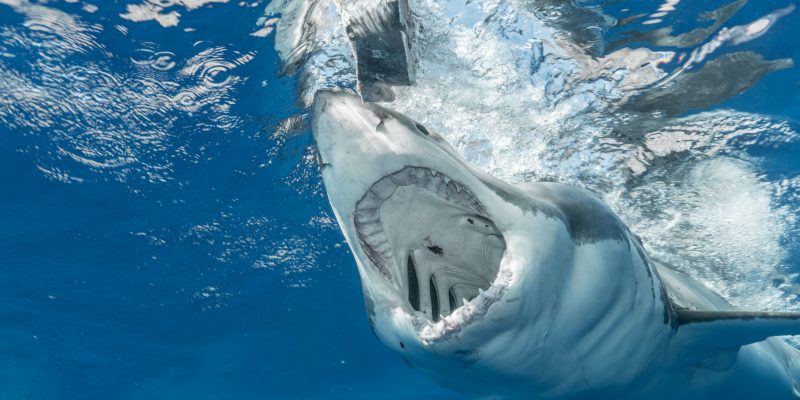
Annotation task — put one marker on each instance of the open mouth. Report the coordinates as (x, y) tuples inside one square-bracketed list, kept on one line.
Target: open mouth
[(430, 236)]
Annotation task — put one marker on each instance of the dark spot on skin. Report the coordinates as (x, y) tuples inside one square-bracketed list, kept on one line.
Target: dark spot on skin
[(436, 250), (423, 130), (402, 346), (432, 247), (471, 221)]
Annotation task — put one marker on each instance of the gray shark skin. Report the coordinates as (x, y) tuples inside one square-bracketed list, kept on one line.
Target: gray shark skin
[(530, 292)]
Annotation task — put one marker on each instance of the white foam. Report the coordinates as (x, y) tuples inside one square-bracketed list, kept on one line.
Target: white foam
[(724, 229), (523, 103)]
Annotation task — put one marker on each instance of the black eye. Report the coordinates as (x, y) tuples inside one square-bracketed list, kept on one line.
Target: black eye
[(423, 130)]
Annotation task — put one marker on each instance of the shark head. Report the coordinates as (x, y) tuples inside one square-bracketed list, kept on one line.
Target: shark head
[(471, 280), (429, 235)]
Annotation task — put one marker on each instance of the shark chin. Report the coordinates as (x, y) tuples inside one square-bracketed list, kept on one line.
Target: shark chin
[(534, 291)]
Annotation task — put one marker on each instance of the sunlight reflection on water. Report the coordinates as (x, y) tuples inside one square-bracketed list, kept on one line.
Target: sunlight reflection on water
[(109, 119)]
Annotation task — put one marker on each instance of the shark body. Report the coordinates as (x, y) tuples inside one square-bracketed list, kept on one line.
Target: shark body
[(536, 291)]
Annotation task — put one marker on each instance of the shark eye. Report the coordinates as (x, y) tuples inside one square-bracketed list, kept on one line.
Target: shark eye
[(423, 129)]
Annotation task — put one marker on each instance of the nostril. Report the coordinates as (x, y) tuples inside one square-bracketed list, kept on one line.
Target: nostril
[(423, 129)]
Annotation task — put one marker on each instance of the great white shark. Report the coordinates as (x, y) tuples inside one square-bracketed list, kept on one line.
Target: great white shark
[(536, 291)]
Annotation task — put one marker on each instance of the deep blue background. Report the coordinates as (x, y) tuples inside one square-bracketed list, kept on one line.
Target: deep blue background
[(103, 283), (219, 282)]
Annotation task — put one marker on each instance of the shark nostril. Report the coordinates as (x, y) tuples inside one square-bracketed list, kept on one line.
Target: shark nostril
[(413, 285)]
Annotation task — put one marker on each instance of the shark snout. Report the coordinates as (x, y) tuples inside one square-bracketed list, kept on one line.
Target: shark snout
[(344, 110), (346, 128), (322, 99)]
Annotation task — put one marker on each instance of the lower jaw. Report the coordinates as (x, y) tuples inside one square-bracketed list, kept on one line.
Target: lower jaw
[(431, 332)]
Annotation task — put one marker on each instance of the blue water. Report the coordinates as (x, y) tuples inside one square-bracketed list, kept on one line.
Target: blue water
[(164, 233), (153, 279)]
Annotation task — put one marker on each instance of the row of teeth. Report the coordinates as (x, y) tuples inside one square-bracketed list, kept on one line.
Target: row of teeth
[(431, 331), (367, 217)]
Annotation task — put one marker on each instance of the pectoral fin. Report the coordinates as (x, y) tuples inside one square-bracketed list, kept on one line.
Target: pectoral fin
[(709, 331), (712, 339)]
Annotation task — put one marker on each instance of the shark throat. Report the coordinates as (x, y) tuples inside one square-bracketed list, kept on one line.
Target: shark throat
[(431, 237)]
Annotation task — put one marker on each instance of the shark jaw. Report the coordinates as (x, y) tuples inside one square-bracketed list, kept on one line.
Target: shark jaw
[(430, 239), (431, 255)]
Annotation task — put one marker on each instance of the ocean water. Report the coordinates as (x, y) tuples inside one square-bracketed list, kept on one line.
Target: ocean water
[(164, 233)]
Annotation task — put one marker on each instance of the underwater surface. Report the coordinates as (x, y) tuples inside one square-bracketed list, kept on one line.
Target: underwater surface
[(164, 232)]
